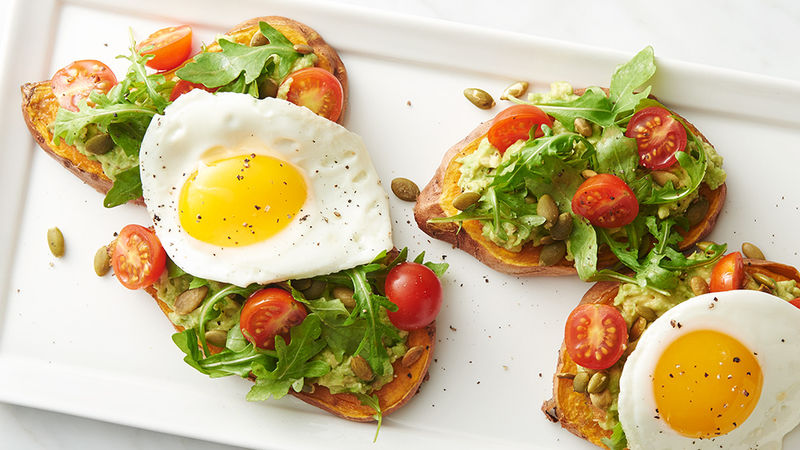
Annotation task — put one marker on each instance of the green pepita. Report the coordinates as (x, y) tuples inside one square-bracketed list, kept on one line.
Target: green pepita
[(361, 368), (598, 383), (412, 355), (465, 200), (267, 88), (301, 285), (552, 254), (99, 144), (405, 189), (601, 400), (479, 98), (217, 337), (102, 262), (580, 382), (345, 295), (563, 227), (588, 173), (697, 211), (698, 285), (764, 280), (663, 177), (515, 90), (637, 328), (750, 250), (258, 40), (705, 245), (55, 240), (316, 289), (646, 312), (548, 209), (189, 300), (583, 127), (303, 49)]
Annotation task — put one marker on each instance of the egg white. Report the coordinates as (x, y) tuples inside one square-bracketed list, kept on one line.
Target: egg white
[(343, 223), (765, 324)]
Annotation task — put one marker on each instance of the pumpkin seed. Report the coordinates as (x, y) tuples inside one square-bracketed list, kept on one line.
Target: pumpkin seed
[(697, 211), (698, 285), (405, 189), (705, 245), (598, 383), (301, 285), (55, 240), (764, 288), (646, 312), (601, 400), (465, 200), (515, 90), (580, 382), (316, 289), (309, 388), (546, 240), (102, 262), (479, 98), (412, 355), (345, 295), (258, 40), (637, 328), (588, 173), (99, 144), (764, 280), (662, 177), (563, 227), (217, 337), (565, 375), (361, 368), (552, 254), (189, 300), (583, 127), (750, 283), (548, 209), (303, 49), (751, 251), (629, 349), (267, 88)]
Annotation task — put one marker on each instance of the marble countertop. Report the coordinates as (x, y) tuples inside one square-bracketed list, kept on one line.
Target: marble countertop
[(757, 37)]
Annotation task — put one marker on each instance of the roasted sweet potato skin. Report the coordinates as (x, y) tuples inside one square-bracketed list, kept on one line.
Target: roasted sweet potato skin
[(39, 105), (436, 200), (573, 410), (391, 397)]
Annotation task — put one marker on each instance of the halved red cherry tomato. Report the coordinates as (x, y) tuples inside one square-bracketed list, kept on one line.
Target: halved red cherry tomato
[(728, 273), (595, 335), (170, 47), (138, 257), (76, 81), (183, 86), (316, 89), (417, 292), (515, 123), (606, 201), (795, 302), (268, 313), (658, 135)]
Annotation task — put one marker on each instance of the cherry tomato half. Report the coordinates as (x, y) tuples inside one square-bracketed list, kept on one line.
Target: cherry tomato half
[(515, 123), (606, 201), (728, 273), (658, 135), (795, 302), (169, 46), (417, 292), (268, 313), (316, 89), (595, 335), (76, 81), (183, 86), (138, 257)]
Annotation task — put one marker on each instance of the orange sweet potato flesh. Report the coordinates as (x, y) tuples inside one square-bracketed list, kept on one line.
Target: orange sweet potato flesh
[(436, 200), (39, 105), (391, 396), (573, 410)]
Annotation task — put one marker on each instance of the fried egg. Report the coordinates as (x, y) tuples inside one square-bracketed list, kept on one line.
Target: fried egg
[(255, 191), (716, 371)]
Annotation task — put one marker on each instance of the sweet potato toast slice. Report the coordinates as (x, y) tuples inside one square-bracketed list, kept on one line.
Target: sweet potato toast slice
[(392, 396), (573, 410), (436, 200), (39, 105)]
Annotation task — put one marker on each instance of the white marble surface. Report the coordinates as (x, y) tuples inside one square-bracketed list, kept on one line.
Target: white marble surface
[(758, 37)]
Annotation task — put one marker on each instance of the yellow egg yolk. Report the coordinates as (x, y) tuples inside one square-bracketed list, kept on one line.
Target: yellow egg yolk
[(706, 383), (241, 200)]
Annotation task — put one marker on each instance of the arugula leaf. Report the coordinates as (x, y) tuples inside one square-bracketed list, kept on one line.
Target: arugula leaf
[(128, 135), (187, 342), (627, 78), (593, 105), (229, 362), (240, 65), (127, 186), (207, 311), (617, 441), (137, 73), (294, 361), (582, 244), (69, 124), (373, 402), (617, 154)]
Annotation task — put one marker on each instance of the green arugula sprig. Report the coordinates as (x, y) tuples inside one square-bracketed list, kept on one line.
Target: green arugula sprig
[(239, 68), (617, 440)]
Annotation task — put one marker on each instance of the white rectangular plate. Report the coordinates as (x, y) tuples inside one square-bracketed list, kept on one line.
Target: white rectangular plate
[(75, 343)]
